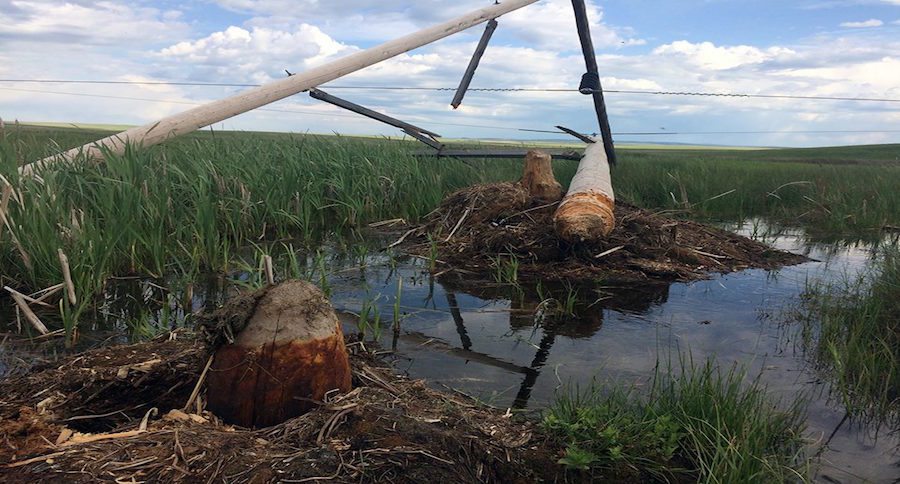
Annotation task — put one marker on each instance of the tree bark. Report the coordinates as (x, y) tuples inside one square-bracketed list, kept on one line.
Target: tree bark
[(287, 358), (586, 212)]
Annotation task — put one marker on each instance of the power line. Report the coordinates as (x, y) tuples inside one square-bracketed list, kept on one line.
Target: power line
[(479, 89), (480, 126)]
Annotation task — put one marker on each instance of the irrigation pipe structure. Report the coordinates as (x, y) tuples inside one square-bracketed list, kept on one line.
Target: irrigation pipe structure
[(214, 112)]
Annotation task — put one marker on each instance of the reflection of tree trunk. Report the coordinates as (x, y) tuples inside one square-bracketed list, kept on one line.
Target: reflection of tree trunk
[(457, 318), (540, 358)]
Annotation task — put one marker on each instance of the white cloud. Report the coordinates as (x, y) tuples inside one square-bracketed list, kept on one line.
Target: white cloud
[(87, 22), (551, 25), (706, 55), (256, 54), (539, 48), (863, 24)]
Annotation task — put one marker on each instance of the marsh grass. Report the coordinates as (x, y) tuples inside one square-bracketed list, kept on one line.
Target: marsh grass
[(194, 204), (191, 206), (851, 330), (823, 198), (695, 423)]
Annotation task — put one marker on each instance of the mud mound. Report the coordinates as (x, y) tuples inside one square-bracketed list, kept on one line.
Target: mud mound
[(487, 230), (388, 429)]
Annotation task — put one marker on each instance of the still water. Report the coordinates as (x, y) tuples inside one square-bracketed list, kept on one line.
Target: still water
[(490, 342)]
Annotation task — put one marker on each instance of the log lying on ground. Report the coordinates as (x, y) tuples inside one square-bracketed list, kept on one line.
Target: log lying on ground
[(283, 362), (538, 177), (586, 212)]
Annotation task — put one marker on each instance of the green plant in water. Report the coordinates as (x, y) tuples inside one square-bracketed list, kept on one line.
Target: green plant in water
[(851, 329), (696, 422), (322, 270), (506, 270), (398, 298), (370, 320)]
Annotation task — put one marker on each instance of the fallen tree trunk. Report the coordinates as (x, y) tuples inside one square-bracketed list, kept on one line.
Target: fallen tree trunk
[(586, 212)]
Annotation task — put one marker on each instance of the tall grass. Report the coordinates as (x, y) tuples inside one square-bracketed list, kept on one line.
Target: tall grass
[(852, 331), (824, 198), (190, 205), (696, 423)]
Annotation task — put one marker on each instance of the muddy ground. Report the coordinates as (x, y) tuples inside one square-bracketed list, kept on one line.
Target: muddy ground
[(118, 414)]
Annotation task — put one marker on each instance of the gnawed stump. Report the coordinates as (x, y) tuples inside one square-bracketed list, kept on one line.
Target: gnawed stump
[(537, 177), (288, 356)]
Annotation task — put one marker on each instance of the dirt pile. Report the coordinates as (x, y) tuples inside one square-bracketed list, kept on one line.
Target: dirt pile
[(118, 415), (489, 230)]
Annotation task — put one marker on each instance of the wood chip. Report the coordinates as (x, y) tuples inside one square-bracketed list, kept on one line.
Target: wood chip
[(608, 252)]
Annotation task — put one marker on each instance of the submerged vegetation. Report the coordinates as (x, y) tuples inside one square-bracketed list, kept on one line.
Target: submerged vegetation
[(697, 423), (852, 332)]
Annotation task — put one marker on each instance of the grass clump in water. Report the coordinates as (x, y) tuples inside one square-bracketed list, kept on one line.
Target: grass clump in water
[(852, 331), (700, 424)]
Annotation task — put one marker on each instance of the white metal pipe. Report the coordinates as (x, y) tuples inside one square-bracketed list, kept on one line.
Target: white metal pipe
[(250, 99)]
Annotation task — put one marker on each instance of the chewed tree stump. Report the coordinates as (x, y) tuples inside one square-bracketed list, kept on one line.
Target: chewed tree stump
[(537, 177), (288, 356)]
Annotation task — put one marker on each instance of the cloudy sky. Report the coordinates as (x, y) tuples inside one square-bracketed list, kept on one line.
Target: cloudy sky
[(833, 48)]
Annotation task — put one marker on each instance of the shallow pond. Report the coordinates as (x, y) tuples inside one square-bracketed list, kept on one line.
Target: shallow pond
[(490, 341)]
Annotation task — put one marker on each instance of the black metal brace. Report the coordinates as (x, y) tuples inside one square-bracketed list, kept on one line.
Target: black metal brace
[(473, 63), (587, 139), (502, 154), (593, 76), (423, 135)]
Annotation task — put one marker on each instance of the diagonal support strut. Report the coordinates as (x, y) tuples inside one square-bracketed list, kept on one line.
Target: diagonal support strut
[(423, 135), (473, 64)]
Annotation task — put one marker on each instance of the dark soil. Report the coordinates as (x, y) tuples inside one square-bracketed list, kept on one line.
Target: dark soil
[(387, 429), (478, 228)]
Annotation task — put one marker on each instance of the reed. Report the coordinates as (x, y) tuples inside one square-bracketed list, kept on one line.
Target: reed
[(696, 422), (851, 331)]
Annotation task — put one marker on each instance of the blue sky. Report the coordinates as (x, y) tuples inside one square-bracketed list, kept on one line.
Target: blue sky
[(843, 48)]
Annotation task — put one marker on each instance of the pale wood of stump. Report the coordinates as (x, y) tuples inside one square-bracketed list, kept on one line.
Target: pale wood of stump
[(538, 177)]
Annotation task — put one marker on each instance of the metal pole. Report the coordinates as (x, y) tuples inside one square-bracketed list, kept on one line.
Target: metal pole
[(590, 60), (473, 63), (356, 108), (216, 111)]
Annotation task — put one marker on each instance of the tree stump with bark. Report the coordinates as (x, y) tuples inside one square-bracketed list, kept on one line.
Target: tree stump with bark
[(289, 355), (538, 177)]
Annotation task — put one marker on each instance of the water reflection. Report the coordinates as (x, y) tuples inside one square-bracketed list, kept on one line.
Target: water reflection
[(543, 307)]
